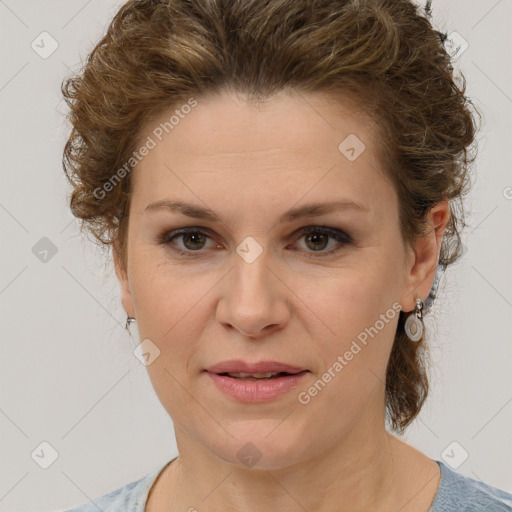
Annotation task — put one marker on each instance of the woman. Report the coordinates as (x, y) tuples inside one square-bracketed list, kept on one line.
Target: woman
[(278, 182)]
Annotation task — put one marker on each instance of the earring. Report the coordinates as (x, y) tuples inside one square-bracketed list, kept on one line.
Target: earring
[(129, 320), (414, 324)]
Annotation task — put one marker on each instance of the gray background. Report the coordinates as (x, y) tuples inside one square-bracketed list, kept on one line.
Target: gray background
[(68, 375)]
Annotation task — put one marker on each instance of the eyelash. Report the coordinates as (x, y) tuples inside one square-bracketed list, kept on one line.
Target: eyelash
[(340, 236)]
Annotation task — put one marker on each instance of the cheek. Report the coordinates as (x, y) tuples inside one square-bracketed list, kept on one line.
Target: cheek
[(174, 307), (353, 339), (354, 313), (171, 309), (166, 296)]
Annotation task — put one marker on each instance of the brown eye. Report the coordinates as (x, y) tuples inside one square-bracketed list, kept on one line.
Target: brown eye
[(317, 239), (193, 240)]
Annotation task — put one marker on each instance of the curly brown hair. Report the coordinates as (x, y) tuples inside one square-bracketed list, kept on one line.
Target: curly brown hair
[(385, 53)]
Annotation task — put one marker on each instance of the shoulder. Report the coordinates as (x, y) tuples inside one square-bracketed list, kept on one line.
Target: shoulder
[(459, 493), (129, 498)]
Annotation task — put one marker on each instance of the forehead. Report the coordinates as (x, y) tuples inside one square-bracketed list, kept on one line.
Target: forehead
[(283, 147)]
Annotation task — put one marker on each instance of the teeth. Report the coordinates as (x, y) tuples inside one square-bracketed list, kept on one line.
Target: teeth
[(255, 375)]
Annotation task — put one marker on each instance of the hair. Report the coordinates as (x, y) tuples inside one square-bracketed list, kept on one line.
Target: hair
[(384, 53)]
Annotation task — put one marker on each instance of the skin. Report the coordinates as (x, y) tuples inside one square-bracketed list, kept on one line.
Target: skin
[(250, 165)]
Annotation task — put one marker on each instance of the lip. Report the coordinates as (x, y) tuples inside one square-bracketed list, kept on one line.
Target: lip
[(240, 366), (253, 391)]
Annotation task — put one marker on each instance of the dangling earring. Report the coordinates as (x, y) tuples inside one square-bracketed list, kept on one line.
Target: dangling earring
[(129, 320), (414, 324)]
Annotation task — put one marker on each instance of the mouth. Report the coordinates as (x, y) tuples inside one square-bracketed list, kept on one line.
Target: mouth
[(238, 368), (258, 376), (253, 388)]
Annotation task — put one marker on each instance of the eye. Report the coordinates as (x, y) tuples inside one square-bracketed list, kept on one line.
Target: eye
[(316, 239), (193, 240)]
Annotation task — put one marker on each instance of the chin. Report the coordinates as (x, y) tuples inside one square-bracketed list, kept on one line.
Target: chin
[(259, 445)]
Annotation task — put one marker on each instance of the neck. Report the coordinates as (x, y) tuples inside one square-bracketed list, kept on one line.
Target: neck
[(367, 471)]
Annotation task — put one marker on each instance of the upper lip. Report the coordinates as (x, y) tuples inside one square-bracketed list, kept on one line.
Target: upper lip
[(239, 366)]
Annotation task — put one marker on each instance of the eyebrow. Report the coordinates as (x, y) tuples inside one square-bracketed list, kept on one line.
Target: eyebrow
[(305, 211)]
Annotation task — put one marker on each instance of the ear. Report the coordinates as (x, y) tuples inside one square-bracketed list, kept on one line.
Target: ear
[(122, 276), (424, 257)]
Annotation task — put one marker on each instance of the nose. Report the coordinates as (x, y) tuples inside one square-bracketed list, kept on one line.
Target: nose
[(255, 299)]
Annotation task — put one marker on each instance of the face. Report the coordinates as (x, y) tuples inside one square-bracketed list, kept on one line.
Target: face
[(251, 281)]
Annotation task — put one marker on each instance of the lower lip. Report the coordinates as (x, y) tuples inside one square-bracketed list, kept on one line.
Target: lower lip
[(254, 391)]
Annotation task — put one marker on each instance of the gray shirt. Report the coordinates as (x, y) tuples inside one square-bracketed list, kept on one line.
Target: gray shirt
[(456, 493)]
